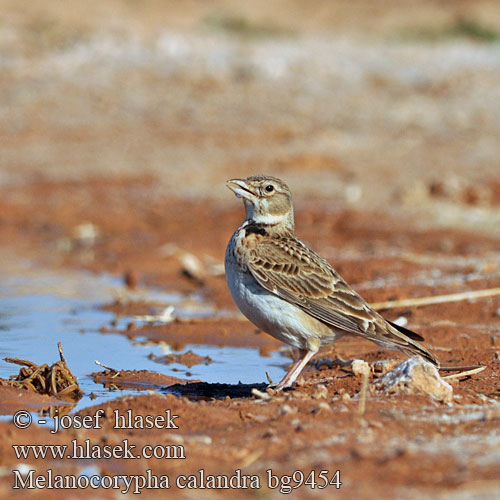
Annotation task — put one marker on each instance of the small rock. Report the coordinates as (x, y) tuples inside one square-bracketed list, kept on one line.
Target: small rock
[(257, 418), (353, 193), (383, 366), (346, 398), (192, 267), (286, 410), (131, 278), (324, 406), (168, 250), (320, 392), (86, 233), (415, 376), (360, 367), (401, 321), (166, 315), (260, 395)]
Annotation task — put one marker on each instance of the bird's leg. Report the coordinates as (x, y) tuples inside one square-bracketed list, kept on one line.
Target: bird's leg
[(294, 372)]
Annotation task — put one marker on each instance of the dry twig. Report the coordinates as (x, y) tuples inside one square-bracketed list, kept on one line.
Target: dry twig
[(112, 370), (466, 373), (362, 395), (437, 299)]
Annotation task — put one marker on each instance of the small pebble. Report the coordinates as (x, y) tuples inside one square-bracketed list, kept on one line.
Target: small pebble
[(324, 406), (320, 392), (360, 367), (401, 321), (287, 410), (131, 279)]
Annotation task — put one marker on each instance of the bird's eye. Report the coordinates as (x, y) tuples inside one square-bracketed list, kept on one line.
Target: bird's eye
[(269, 188)]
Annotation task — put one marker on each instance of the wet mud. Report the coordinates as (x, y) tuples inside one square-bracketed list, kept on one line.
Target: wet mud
[(318, 424)]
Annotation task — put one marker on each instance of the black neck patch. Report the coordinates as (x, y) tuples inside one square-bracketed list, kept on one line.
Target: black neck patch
[(254, 228)]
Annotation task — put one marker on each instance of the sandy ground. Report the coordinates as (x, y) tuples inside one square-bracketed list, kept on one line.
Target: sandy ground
[(402, 447), (120, 122)]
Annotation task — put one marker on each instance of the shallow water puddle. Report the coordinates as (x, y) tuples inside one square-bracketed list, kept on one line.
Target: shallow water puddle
[(39, 307)]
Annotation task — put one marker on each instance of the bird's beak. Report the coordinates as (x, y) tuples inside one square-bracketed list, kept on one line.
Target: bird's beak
[(241, 189)]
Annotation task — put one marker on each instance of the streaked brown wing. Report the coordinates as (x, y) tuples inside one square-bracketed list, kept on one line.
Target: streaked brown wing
[(286, 267), (292, 271)]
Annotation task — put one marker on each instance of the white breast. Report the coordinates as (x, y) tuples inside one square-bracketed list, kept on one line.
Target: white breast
[(269, 312)]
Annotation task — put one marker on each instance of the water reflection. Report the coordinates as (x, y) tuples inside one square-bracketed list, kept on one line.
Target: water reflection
[(40, 307)]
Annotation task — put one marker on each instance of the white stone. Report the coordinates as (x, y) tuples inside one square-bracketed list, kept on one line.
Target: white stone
[(360, 367), (415, 376)]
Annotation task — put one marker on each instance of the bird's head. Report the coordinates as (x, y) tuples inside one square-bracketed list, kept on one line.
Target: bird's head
[(267, 200)]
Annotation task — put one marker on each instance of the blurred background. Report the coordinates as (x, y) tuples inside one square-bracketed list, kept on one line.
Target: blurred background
[(121, 120), (390, 105)]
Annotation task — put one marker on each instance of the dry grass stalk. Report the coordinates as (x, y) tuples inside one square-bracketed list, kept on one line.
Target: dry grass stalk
[(437, 299), (362, 395), (465, 373), (115, 373)]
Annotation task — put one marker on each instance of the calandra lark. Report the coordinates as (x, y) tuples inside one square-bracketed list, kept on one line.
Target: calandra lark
[(288, 290)]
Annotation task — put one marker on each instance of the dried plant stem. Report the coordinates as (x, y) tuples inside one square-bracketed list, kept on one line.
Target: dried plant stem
[(61, 355), (437, 299), (465, 373), (116, 372), (55, 380), (362, 395)]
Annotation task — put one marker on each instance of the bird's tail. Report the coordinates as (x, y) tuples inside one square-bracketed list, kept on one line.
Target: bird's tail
[(406, 341), (392, 336)]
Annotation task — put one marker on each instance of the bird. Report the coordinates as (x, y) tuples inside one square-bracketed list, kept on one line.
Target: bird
[(289, 291)]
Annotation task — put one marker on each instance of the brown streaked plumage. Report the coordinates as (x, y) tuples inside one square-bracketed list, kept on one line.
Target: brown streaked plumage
[(288, 290)]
